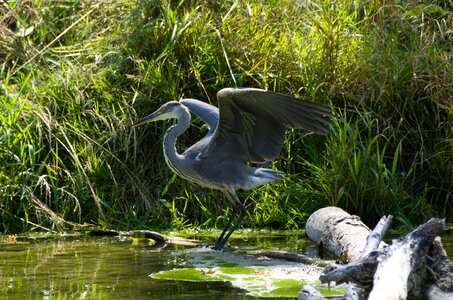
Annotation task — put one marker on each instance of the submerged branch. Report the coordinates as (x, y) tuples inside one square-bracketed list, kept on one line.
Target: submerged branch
[(162, 240), (295, 257)]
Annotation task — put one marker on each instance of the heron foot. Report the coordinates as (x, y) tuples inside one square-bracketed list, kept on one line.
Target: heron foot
[(214, 247), (223, 248), (218, 246)]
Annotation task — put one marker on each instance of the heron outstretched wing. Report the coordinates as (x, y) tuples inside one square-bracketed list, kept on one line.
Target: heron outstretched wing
[(252, 123)]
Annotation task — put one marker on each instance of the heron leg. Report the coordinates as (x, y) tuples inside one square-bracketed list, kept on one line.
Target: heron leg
[(219, 244), (234, 199)]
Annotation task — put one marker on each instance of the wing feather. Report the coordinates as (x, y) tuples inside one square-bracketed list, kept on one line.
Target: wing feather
[(252, 123)]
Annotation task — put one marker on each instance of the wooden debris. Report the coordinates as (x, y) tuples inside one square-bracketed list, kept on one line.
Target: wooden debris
[(291, 256), (338, 232), (414, 267), (162, 240), (159, 238)]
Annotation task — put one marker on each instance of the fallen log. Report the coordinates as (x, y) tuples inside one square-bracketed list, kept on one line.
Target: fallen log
[(355, 290), (402, 269), (337, 232), (414, 267)]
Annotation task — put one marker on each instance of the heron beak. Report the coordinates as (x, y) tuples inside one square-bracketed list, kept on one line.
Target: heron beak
[(149, 118)]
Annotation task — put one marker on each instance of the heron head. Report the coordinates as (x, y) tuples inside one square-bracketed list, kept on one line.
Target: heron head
[(169, 110)]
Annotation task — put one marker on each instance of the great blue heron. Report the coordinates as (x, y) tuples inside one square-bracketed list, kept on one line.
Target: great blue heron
[(249, 126)]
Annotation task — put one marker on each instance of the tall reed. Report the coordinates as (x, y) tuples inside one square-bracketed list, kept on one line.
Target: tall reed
[(75, 74)]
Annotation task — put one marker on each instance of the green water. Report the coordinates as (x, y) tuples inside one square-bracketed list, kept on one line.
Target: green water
[(113, 268)]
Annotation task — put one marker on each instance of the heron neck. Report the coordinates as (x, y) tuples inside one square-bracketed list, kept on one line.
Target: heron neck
[(172, 157)]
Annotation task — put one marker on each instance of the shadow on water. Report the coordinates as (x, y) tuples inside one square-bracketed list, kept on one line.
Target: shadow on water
[(113, 268)]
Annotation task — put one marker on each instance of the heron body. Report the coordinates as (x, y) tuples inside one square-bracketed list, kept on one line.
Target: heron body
[(248, 126)]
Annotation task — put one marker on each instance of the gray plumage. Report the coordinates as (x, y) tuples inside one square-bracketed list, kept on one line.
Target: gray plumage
[(248, 126)]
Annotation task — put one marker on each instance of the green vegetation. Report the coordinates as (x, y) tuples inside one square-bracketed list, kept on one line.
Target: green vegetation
[(249, 273), (75, 74)]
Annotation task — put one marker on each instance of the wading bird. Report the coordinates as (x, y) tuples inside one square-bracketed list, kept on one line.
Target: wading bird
[(248, 126)]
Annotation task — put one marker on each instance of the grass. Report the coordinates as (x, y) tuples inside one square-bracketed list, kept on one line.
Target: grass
[(75, 74)]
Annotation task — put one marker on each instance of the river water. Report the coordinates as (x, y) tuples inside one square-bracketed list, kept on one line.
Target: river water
[(83, 267)]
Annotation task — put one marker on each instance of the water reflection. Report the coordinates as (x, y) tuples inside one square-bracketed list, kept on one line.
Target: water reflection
[(97, 268), (111, 268)]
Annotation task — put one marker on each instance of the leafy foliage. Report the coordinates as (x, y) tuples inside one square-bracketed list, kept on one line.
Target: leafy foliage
[(75, 74)]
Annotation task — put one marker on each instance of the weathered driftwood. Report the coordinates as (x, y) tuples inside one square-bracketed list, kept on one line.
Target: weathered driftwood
[(413, 267), (441, 266), (391, 272), (358, 234), (309, 292), (355, 289), (338, 232), (402, 269)]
